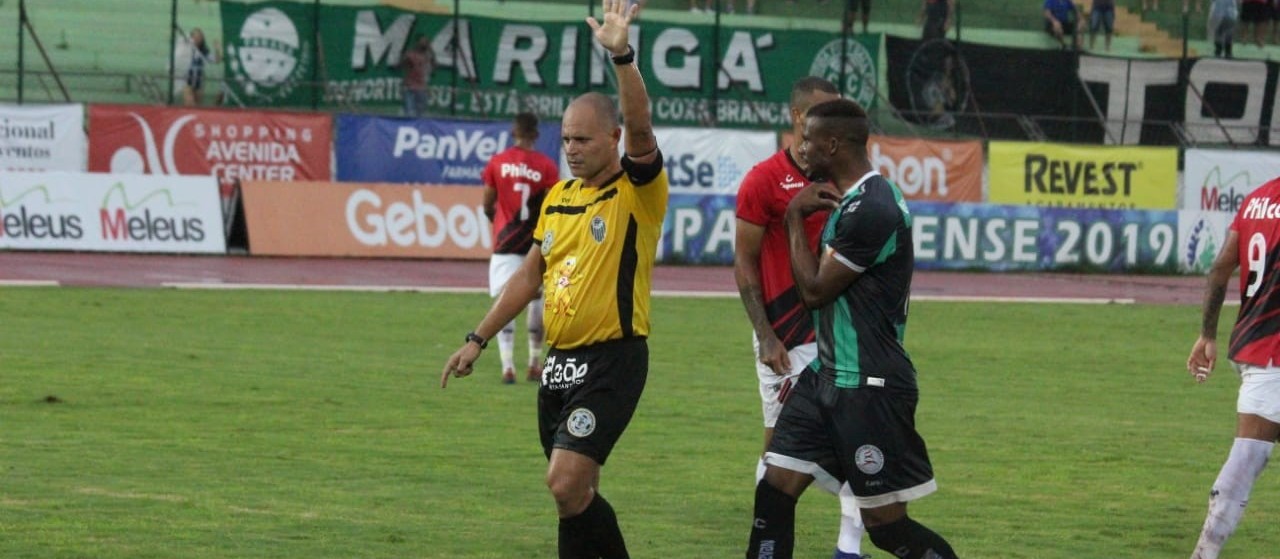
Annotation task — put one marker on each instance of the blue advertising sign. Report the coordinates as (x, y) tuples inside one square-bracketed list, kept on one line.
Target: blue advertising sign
[(995, 237), (403, 150), (698, 229)]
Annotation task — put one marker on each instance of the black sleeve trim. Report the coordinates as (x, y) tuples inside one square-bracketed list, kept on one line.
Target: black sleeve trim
[(642, 173)]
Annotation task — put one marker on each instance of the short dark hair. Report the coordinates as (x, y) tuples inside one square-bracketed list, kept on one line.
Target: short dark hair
[(526, 125), (806, 86), (843, 119)]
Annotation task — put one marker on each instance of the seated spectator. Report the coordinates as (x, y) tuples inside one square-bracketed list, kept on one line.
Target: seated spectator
[(1061, 21), (1255, 13), (1223, 17), (1102, 16), (1149, 5), (852, 7), (936, 15)]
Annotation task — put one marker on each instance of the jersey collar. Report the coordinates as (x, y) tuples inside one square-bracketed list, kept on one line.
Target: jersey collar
[(857, 185)]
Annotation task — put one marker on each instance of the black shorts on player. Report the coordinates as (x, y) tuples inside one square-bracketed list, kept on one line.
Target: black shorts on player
[(865, 436), (589, 394)]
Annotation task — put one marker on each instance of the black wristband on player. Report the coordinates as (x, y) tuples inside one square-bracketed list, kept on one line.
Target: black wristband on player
[(626, 57), (474, 337)]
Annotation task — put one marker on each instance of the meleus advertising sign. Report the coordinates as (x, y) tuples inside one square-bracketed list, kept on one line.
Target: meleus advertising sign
[(366, 220), (231, 145), (1215, 183), (1063, 176), (42, 138), (117, 213)]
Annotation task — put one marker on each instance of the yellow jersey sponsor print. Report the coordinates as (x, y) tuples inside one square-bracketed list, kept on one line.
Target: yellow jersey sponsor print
[(599, 245)]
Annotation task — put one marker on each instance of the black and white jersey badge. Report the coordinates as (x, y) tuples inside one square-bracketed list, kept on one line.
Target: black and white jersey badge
[(597, 229)]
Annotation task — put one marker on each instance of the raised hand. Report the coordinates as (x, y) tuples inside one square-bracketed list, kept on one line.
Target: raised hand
[(612, 34)]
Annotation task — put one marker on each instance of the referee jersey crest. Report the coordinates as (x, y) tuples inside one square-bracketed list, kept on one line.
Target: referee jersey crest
[(597, 229)]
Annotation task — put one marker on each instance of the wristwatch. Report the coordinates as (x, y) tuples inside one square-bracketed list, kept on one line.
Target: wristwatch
[(474, 337)]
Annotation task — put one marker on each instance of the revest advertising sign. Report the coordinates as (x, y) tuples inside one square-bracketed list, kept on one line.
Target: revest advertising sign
[(42, 138), (1041, 174), (117, 213), (230, 145), (994, 237), (400, 150), (366, 220)]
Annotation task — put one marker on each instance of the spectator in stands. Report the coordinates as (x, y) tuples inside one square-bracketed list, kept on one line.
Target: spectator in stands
[(851, 7), (1149, 5), (1223, 17), (937, 15), (1186, 6), (1102, 16), (416, 66), (1061, 21), (190, 55), (1254, 13)]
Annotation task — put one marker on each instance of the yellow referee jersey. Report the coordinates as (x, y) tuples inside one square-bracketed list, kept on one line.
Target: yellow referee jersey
[(599, 244)]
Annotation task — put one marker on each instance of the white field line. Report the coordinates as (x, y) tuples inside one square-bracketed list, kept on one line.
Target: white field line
[(28, 283), (309, 287)]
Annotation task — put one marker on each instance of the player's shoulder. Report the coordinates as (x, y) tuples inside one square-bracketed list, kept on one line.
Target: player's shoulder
[(778, 170)]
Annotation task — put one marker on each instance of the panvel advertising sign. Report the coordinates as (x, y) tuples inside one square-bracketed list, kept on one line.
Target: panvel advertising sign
[(114, 213), (366, 220), (1214, 184), (742, 78), (1069, 176), (401, 150), (42, 138), (230, 145)]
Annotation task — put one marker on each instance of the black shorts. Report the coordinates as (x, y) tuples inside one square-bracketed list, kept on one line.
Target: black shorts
[(863, 6), (588, 395), (864, 436)]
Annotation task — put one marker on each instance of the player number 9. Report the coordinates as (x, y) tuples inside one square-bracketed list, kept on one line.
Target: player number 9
[(1257, 263)]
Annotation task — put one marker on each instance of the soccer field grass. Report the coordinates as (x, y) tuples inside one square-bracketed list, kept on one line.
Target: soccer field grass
[(283, 424)]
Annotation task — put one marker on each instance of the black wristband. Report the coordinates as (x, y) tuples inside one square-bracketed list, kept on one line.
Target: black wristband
[(626, 57), (474, 337)]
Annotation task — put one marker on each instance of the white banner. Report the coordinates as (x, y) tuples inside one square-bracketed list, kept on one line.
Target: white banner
[(1214, 184), (42, 138), (114, 213), (706, 161)]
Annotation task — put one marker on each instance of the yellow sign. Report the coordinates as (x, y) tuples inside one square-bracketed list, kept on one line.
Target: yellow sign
[(1057, 175)]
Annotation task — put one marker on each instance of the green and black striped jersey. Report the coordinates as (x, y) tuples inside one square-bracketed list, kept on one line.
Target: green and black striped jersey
[(860, 333)]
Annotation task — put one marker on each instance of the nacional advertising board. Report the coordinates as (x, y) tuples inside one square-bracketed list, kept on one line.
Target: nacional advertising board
[(1214, 184), (230, 145), (1054, 175), (115, 213), (401, 150), (366, 220), (995, 237), (42, 138)]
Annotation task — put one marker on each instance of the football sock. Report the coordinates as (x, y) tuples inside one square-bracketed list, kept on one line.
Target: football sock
[(908, 539), (1231, 493), (851, 528), (593, 533), (760, 470), (535, 332), (773, 533), (507, 346)]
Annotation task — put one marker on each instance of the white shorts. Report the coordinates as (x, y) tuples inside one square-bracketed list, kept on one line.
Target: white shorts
[(774, 388), (1259, 391), (501, 268)]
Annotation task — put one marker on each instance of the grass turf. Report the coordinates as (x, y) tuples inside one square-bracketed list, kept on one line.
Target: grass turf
[(277, 424)]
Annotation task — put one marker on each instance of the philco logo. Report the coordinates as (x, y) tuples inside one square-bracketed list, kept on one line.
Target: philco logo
[(18, 221), (374, 222), (915, 176), (270, 58), (1078, 178), (123, 222), (1261, 208), (859, 70)]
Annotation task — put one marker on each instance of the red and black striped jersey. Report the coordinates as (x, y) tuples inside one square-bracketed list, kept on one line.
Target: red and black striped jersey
[(1255, 340), (762, 200), (521, 178)]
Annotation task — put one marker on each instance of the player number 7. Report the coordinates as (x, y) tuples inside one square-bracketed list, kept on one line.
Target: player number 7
[(523, 188)]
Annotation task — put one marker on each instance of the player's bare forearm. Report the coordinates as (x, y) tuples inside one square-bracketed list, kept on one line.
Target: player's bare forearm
[(1214, 295), (804, 263), (753, 301), (637, 121)]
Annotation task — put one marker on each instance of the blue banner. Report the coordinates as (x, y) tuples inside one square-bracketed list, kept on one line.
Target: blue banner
[(698, 229), (403, 150), (993, 237)]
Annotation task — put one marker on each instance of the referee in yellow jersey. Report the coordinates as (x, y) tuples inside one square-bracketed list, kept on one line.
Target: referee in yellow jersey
[(593, 256)]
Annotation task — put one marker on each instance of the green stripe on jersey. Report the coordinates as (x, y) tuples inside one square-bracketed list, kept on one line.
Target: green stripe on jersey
[(846, 345)]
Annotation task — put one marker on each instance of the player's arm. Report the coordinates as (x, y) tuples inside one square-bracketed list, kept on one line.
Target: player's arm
[(490, 201), (1204, 353), (746, 271), (818, 282), (640, 144), (519, 291)]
